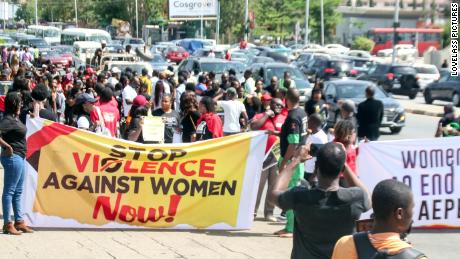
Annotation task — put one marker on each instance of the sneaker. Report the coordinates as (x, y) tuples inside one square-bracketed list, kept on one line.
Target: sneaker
[(281, 218), (271, 218)]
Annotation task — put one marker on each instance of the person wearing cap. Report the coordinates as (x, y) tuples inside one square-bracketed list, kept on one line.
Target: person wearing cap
[(233, 109), (271, 120), (115, 76), (266, 101), (135, 120), (104, 46), (83, 108), (40, 95)]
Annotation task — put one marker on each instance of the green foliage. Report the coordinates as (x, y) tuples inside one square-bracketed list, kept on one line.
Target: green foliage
[(445, 36), (362, 43)]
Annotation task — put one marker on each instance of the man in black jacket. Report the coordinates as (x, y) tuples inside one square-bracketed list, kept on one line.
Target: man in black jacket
[(369, 116)]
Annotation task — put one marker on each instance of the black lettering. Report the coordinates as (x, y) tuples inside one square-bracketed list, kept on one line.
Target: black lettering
[(156, 186), (199, 188), (108, 184), (448, 206), (69, 185), (123, 185), (116, 151), (176, 153), (151, 155), (436, 157), (52, 180), (227, 188), (410, 160), (214, 187), (424, 211), (185, 184), (86, 185), (137, 180), (423, 159), (449, 181), (114, 165), (436, 209), (436, 181), (137, 152)]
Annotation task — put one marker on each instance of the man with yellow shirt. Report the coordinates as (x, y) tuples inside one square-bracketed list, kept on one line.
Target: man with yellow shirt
[(145, 78), (393, 203)]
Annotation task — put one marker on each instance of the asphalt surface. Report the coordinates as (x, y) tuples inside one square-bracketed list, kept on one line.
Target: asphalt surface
[(258, 242)]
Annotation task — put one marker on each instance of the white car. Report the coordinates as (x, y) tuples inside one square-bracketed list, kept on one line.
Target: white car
[(426, 74), (403, 51), (336, 49), (135, 43), (359, 54)]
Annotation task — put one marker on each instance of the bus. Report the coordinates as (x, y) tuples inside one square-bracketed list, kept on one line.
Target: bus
[(421, 38), (69, 36), (50, 34)]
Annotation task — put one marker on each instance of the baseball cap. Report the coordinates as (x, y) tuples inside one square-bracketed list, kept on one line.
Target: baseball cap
[(200, 87), (140, 100), (85, 98), (266, 97)]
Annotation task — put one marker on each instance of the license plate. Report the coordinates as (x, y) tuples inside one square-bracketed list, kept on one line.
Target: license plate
[(396, 86)]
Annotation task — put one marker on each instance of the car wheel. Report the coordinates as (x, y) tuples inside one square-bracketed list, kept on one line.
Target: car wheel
[(395, 130), (412, 95), (427, 95), (456, 99)]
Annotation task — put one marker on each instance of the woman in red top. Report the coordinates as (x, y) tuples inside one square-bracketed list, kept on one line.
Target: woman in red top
[(345, 133), (209, 124)]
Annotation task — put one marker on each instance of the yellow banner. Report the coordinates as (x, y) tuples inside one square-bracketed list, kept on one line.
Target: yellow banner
[(95, 180)]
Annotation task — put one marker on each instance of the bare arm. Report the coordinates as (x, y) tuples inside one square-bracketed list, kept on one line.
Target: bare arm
[(256, 124), (289, 154), (353, 181)]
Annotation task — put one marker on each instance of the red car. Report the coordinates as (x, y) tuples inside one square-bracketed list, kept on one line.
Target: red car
[(176, 54), (59, 56)]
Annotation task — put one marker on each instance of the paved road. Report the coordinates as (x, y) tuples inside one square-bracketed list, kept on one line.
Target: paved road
[(255, 243)]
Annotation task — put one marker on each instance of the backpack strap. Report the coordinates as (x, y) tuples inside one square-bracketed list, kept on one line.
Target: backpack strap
[(408, 253), (364, 248)]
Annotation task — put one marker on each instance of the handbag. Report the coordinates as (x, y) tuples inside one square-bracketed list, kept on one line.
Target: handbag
[(101, 129)]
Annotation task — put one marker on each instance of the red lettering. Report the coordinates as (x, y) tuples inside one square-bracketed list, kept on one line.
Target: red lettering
[(78, 163), (204, 168), (148, 167), (126, 211), (104, 202), (173, 204), (184, 171), (95, 163), (128, 168), (171, 168)]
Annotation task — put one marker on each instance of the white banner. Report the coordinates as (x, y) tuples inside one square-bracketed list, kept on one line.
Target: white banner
[(189, 9), (429, 166)]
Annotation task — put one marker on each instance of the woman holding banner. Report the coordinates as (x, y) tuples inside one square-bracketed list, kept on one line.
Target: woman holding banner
[(13, 142), (209, 124)]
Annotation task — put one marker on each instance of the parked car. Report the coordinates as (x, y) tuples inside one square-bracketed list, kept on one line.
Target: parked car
[(360, 64), (258, 59), (397, 79), (426, 74), (241, 57), (40, 43), (265, 72), (59, 56), (336, 49), (205, 53), (134, 42), (447, 89), (135, 66), (218, 66), (328, 68), (335, 91), (403, 51), (176, 54)]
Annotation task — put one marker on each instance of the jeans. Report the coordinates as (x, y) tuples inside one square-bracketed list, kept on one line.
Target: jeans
[(269, 174), (13, 185)]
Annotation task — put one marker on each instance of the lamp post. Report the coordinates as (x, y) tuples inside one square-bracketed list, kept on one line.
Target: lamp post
[(307, 15)]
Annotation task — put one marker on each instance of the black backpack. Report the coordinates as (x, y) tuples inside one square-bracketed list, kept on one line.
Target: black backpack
[(366, 250)]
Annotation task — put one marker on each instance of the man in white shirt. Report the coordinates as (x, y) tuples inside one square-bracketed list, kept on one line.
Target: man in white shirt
[(115, 77), (317, 138), (128, 95), (249, 84), (233, 109)]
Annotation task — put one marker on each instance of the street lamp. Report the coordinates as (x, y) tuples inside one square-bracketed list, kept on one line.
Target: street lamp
[(395, 33), (76, 14), (137, 22), (307, 14)]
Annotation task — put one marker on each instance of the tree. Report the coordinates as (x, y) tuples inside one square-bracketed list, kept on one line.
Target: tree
[(362, 43), (25, 12), (232, 19)]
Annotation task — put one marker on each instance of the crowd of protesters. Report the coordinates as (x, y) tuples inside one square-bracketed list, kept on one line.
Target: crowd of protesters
[(325, 196)]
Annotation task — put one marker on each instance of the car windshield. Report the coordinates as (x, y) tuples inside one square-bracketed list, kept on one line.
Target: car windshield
[(136, 41), (341, 65), (357, 91), (38, 42), (404, 70), (279, 72), (217, 68), (427, 70), (135, 67), (177, 49), (158, 59), (304, 57), (237, 66)]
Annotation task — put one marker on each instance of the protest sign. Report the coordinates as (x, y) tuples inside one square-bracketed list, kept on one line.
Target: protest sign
[(153, 129), (76, 179), (428, 166)]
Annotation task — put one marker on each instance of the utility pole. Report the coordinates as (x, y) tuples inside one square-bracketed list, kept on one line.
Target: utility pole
[(36, 12), (322, 22), (307, 16), (246, 22), (395, 33), (137, 22), (218, 23), (76, 14), (201, 20), (4, 15)]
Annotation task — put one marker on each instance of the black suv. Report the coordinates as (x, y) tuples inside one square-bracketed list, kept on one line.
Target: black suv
[(327, 68), (397, 79)]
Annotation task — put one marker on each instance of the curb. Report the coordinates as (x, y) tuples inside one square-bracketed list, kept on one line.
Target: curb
[(422, 112)]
